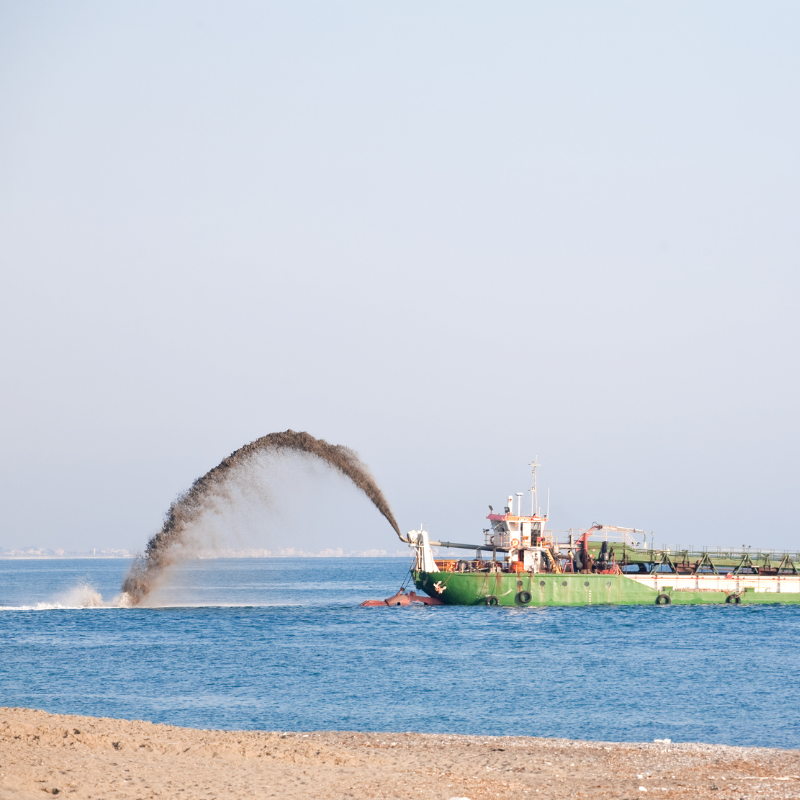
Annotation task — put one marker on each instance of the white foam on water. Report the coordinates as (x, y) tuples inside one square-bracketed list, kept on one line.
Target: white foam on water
[(86, 596), (81, 596), (77, 599)]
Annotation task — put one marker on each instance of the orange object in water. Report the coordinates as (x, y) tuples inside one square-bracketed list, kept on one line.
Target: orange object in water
[(517, 566), (403, 599)]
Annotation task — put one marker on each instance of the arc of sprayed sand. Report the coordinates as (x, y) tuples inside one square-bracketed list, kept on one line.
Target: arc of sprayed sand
[(161, 552)]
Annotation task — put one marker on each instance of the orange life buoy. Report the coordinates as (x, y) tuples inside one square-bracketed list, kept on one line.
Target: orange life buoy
[(515, 542), (491, 540)]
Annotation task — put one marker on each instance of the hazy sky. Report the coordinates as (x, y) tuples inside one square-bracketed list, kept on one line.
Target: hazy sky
[(451, 235)]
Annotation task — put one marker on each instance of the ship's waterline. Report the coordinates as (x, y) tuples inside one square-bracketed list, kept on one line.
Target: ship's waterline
[(554, 589)]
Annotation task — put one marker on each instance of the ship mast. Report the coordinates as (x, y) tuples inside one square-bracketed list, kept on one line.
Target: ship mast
[(534, 492)]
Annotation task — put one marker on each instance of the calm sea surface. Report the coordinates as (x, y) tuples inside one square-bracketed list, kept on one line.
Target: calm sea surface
[(281, 644)]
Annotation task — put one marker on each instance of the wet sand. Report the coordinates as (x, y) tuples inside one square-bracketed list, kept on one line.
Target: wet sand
[(86, 757)]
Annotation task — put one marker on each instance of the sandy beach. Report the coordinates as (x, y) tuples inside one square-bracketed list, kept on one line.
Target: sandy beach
[(86, 757)]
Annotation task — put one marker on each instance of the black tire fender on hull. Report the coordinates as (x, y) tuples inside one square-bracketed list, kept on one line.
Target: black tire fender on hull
[(491, 600), (523, 598), (663, 600), (733, 599)]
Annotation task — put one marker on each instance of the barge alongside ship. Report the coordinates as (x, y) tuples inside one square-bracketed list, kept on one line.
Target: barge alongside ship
[(521, 563)]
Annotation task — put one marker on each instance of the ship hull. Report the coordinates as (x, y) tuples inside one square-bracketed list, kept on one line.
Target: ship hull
[(577, 589)]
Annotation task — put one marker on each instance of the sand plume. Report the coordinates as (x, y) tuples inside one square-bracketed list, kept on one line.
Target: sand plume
[(166, 546)]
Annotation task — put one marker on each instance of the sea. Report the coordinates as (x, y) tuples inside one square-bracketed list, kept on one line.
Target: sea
[(283, 645)]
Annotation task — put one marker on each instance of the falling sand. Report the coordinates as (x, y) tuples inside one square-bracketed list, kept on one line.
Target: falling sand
[(164, 549)]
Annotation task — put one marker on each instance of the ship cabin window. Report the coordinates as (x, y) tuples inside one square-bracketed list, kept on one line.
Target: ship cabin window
[(500, 527)]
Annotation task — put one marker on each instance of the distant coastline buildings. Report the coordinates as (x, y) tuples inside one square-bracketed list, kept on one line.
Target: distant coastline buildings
[(44, 552), (287, 552)]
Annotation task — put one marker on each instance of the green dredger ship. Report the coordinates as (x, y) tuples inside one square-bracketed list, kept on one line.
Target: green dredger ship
[(521, 564)]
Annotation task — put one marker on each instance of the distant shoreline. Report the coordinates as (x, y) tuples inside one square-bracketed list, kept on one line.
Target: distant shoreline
[(64, 558), (4, 557)]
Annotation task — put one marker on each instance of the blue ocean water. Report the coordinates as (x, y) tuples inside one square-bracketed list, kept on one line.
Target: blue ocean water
[(281, 644)]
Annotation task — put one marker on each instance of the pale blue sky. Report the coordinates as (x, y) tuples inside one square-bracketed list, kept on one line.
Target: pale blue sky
[(450, 235)]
